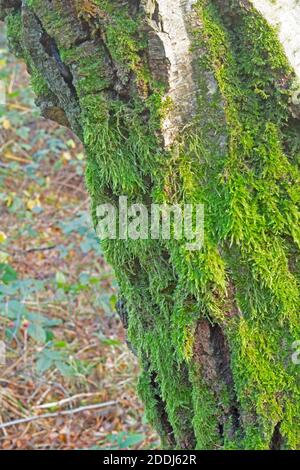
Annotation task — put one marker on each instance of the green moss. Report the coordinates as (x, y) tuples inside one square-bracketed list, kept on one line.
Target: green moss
[(91, 76), (261, 216), (16, 42), (14, 33), (38, 82), (248, 187), (154, 416), (205, 420), (55, 20)]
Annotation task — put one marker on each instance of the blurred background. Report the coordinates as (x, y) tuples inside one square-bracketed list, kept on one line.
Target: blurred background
[(65, 354)]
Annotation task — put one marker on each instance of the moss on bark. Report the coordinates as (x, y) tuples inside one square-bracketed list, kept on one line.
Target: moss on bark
[(213, 329)]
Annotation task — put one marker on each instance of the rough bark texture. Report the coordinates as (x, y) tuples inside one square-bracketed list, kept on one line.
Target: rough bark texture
[(190, 102)]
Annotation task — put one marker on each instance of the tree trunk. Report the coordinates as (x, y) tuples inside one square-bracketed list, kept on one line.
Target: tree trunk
[(198, 102)]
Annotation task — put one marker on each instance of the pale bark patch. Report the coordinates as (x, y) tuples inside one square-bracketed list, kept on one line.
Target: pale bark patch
[(285, 16), (170, 21)]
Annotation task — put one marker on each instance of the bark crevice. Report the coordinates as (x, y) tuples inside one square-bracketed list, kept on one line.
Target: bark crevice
[(45, 58), (161, 410), (211, 351), (277, 440)]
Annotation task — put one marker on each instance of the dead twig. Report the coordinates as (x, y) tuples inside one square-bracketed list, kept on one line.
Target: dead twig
[(16, 251), (66, 400), (58, 413)]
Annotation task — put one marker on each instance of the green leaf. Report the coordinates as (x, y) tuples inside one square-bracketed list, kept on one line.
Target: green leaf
[(132, 440), (61, 279), (64, 369), (13, 309), (60, 344), (124, 440), (43, 364), (110, 342), (7, 273), (37, 332), (44, 321)]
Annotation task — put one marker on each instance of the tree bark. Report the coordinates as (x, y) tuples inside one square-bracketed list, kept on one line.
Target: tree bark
[(183, 101)]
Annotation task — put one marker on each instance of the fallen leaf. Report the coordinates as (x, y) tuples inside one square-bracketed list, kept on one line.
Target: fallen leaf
[(3, 237), (6, 124), (33, 203)]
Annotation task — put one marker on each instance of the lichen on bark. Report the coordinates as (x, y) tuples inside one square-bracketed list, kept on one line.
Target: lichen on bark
[(212, 329)]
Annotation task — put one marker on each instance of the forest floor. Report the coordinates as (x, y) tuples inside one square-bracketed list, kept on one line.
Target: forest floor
[(64, 344)]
